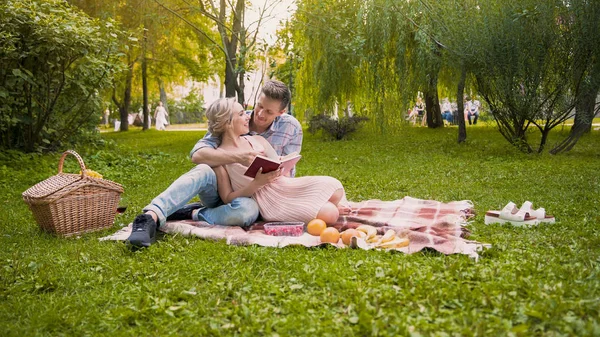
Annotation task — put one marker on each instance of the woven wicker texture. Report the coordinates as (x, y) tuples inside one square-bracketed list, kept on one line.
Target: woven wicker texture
[(68, 204)]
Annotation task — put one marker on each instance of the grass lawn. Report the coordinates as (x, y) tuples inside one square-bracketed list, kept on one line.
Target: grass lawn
[(539, 281)]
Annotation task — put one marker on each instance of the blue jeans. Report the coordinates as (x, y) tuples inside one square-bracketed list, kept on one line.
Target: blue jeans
[(447, 115), (202, 181), (476, 114)]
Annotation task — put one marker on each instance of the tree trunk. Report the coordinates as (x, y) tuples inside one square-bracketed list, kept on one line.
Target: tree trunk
[(460, 105), (163, 94), (231, 45), (584, 114), (230, 78), (584, 110), (124, 108), (240, 87), (432, 105), (145, 125)]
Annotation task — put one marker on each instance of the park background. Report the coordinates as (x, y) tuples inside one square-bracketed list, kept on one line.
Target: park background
[(534, 66)]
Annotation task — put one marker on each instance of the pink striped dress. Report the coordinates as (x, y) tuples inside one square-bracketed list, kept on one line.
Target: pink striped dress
[(286, 199)]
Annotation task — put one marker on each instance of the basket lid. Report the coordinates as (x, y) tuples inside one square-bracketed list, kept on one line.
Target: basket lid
[(51, 185), (65, 183)]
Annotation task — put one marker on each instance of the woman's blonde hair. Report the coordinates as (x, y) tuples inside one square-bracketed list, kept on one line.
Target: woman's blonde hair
[(219, 114)]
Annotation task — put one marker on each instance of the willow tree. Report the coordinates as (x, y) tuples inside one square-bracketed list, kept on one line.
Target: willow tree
[(526, 68), (327, 35), (377, 53), (581, 21)]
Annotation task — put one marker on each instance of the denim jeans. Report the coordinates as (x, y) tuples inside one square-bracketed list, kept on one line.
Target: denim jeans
[(447, 115), (202, 181), (476, 114)]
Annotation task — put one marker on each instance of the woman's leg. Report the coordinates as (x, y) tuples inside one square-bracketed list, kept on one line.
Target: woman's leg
[(328, 213), (337, 196)]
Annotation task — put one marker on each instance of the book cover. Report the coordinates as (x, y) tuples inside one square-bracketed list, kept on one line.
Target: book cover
[(268, 164)]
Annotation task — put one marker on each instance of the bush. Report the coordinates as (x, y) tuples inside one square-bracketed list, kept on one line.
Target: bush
[(189, 110), (335, 128), (55, 62)]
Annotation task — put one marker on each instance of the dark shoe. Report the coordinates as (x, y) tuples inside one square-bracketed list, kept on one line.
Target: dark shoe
[(143, 231), (185, 212)]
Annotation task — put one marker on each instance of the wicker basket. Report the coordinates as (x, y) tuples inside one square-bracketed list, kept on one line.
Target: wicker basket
[(68, 204)]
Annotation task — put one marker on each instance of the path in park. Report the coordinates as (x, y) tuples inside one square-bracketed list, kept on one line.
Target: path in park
[(176, 127)]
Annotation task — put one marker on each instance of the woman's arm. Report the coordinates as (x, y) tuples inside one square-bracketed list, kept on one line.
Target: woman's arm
[(227, 193)]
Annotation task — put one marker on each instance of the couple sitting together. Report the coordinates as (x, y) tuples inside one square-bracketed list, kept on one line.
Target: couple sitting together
[(228, 197)]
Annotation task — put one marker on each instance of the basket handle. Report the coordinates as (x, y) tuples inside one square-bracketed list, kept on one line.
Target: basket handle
[(62, 159)]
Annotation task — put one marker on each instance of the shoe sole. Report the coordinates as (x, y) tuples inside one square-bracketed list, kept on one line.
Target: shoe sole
[(493, 220), (139, 244)]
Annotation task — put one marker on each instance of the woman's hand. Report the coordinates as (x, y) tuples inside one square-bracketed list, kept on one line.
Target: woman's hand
[(247, 157), (262, 179)]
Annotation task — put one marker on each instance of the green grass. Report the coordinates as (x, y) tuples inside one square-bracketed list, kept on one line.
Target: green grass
[(539, 281)]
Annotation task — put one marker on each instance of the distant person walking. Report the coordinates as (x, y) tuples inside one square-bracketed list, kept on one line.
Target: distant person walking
[(105, 120), (160, 117)]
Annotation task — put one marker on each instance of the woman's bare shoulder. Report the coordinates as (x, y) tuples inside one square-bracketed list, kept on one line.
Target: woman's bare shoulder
[(260, 139)]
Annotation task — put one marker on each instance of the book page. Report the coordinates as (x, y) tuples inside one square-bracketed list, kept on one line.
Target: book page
[(289, 156), (289, 163)]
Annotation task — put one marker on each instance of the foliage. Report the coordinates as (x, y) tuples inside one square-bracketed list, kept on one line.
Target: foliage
[(377, 54), (236, 44), (523, 78), (55, 60), (337, 129), (189, 110), (538, 281), (170, 48), (532, 62)]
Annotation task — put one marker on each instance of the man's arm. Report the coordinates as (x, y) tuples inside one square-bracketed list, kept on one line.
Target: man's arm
[(215, 157), (206, 152)]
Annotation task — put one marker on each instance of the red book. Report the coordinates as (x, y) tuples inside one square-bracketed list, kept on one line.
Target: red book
[(268, 164)]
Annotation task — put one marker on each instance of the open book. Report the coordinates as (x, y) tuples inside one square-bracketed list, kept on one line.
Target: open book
[(268, 164)]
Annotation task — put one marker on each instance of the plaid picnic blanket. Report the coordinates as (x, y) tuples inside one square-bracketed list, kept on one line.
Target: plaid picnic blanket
[(427, 223)]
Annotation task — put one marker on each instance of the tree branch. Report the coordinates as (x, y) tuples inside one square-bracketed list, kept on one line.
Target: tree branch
[(225, 52)]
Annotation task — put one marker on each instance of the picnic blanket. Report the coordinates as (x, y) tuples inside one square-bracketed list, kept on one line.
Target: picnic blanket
[(427, 224)]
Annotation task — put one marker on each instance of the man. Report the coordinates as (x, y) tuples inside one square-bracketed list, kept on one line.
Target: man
[(447, 111), (473, 110), (268, 119)]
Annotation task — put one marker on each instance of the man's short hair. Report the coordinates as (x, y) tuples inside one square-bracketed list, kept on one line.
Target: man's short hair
[(277, 90)]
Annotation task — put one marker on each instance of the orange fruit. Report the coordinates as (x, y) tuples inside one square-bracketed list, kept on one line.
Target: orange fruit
[(315, 227), (348, 234), (330, 235)]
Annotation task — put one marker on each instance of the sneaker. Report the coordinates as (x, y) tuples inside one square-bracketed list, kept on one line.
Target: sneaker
[(185, 212), (143, 231)]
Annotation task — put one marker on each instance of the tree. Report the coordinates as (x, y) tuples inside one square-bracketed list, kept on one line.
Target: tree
[(582, 22), (377, 54), (55, 61), (237, 39), (158, 52), (524, 54)]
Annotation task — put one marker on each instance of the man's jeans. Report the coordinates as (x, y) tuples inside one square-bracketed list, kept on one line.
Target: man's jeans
[(476, 114), (202, 181)]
